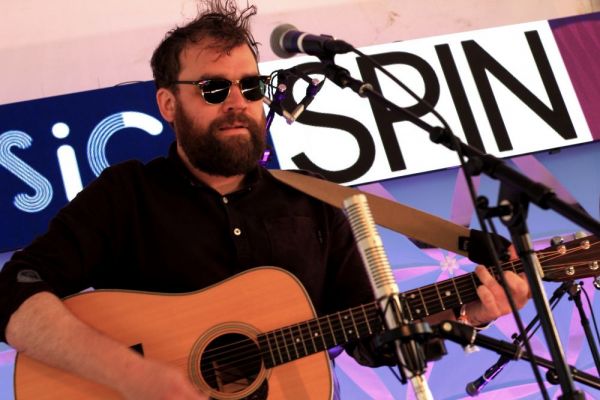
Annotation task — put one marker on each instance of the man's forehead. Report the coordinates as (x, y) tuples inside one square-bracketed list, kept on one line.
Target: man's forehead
[(201, 61), (211, 50)]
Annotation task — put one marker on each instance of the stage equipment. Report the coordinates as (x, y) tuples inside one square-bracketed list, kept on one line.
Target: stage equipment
[(516, 192), (410, 352)]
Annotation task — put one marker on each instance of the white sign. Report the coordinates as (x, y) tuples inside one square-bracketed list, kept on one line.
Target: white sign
[(504, 90)]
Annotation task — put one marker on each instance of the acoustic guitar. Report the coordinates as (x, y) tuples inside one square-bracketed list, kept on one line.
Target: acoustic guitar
[(256, 335)]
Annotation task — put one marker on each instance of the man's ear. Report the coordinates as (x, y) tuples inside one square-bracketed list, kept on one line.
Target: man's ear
[(166, 103)]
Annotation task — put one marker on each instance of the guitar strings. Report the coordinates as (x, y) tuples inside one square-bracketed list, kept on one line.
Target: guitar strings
[(430, 297), (460, 282), (464, 280), (431, 293), (251, 357), (305, 332)]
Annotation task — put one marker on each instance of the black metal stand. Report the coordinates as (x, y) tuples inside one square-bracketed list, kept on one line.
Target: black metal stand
[(517, 225), (466, 335), (528, 191), (475, 387), (575, 295)]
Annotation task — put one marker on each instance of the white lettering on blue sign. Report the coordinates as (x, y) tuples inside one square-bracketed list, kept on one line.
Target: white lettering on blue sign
[(42, 188), (67, 160), (96, 147)]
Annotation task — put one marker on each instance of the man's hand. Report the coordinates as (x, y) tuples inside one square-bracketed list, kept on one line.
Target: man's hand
[(492, 299)]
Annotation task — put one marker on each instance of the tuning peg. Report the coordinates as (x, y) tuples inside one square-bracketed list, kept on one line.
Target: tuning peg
[(556, 240), (580, 234), (597, 282)]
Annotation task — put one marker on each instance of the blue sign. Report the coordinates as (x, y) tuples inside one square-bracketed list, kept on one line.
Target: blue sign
[(50, 148)]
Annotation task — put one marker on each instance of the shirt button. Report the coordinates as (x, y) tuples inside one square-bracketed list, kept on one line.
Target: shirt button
[(225, 200), (237, 231)]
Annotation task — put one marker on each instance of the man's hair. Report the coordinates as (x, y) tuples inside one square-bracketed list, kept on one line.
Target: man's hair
[(221, 21)]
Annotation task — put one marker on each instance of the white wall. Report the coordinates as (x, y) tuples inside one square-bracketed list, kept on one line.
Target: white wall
[(63, 46)]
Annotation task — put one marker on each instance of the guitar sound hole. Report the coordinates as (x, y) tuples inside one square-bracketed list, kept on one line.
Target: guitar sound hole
[(230, 363)]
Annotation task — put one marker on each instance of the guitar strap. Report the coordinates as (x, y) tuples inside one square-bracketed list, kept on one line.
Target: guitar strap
[(398, 217)]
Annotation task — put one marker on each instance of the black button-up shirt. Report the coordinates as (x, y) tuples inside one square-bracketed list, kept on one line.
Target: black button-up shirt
[(154, 227)]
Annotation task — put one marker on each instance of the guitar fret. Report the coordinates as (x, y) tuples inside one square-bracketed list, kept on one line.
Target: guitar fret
[(282, 345), (335, 340), (473, 280), (338, 329), (404, 302), (457, 292), (354, 323), (262, 339), (294, 342), (347, 325), (362, 307), (376, 321), (287, 350), (311, 338), (321, 334), (416, 307), (342, 326), (347, 329), (423, 302), (274, 334), (300, 339), (449, 293), (315, 329), (437, 290)]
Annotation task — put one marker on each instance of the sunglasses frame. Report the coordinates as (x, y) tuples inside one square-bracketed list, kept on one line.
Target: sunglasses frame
[(201, 84)]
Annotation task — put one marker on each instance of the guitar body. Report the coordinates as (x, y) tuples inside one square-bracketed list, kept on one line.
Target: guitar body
[(255, 335), (179, 328)]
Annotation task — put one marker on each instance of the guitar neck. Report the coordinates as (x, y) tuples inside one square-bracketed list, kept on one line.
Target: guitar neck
[(309, 337), (572, 260), (562, 262), (296, 341)]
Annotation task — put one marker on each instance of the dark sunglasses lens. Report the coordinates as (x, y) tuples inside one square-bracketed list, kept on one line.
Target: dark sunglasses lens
[(253, 87), (215, 91)]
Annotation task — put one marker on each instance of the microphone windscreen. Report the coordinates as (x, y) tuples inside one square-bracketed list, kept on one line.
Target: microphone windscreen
[(276, 40)]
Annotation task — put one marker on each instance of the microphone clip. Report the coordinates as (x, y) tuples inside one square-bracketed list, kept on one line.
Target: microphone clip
[(434, 347), (281, 92)]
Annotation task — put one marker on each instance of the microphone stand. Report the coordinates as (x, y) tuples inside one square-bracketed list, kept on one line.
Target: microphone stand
[(410, 354), (575, 295), (466, 335), (516, 223), (475, 387), (522, 190)]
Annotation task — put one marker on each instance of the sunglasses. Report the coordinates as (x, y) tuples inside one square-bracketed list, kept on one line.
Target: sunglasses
[(216, 90)]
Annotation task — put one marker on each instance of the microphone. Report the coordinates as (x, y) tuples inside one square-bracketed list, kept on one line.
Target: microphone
[(286, 41), (369, 243), (475, 387)]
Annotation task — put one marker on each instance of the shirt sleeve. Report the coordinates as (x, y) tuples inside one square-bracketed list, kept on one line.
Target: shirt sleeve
[(63, 259)]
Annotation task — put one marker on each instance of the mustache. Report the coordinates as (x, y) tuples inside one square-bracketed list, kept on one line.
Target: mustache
[(234, 118)]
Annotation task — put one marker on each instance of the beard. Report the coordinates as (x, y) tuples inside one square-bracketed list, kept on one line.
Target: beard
[(219, 155)]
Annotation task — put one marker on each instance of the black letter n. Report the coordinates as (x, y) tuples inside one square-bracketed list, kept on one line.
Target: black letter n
[(481, 62)]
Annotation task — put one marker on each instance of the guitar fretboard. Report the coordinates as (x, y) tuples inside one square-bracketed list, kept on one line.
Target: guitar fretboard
[(306, 338), (296, 341)]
